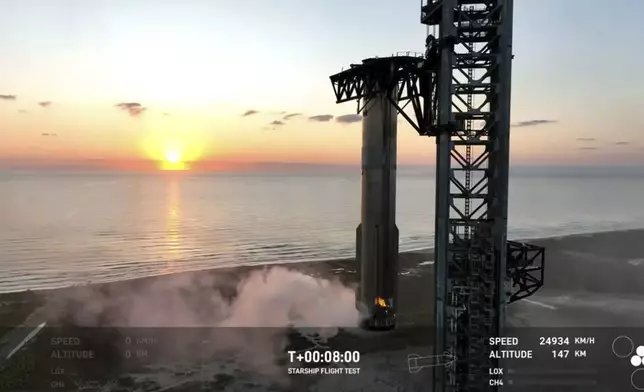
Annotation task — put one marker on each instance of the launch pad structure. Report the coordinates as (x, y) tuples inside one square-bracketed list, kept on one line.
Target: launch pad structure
[(459, 91)]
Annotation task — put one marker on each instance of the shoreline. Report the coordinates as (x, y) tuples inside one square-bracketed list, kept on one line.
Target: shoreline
[(428, 251), (577, 262), (592, 280)]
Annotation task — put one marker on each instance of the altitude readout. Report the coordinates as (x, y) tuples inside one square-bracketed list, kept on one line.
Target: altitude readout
[(554, 341)]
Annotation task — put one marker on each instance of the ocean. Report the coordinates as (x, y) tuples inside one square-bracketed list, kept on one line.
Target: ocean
[(65, 228)]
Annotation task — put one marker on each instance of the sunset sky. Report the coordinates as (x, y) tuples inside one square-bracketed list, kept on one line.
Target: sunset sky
[(186, 71)]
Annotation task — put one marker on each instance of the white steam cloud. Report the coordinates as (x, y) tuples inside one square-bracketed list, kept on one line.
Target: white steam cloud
[(281, 297), (278, 299)]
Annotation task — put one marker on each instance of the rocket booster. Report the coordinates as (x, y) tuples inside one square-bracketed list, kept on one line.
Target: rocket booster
[(377, 234)]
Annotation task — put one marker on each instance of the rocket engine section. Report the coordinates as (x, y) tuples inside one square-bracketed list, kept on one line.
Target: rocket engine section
[(377, 234)]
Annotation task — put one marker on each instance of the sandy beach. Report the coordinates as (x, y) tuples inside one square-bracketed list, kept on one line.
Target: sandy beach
[(592, 280)]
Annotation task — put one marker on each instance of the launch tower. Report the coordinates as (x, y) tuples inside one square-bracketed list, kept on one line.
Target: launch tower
[(459, 91)]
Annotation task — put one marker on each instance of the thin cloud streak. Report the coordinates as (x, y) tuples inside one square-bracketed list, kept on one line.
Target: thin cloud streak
[(291, 115), (532, 123), (134, 109), (321, 118), (348, 118)]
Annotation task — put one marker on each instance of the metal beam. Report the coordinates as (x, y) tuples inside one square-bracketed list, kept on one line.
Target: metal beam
[(471, 191), (444, 342)]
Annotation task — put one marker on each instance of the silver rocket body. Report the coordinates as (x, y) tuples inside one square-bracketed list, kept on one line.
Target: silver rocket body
[(377, 234)]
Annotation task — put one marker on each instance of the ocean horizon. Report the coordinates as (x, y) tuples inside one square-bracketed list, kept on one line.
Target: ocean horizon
[(68, 227)]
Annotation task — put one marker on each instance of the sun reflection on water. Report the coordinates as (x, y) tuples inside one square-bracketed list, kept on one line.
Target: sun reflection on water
[(173, 238)]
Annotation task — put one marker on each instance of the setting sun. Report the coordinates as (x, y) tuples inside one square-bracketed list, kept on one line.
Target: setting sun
[(173, 161), (173, 157), (170, 151)]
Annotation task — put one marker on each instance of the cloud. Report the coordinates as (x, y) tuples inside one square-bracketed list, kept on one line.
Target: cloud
[(273, 125), (532, 123), (48, 134), (8, 97), (167, 114), (348, 118), (22, 111), (622, 143), (249, 113), (588, 148), (321, 117), (133, 108), (45, 104), (291, 115), (282, 307), (586, 139)]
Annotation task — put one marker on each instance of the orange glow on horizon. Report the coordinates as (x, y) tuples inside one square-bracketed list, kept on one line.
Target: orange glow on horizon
[(173, 161), (172, 153), (174, 166)]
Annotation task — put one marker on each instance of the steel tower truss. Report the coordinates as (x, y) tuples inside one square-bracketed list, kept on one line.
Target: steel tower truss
[(459, 92), (472, 184)]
